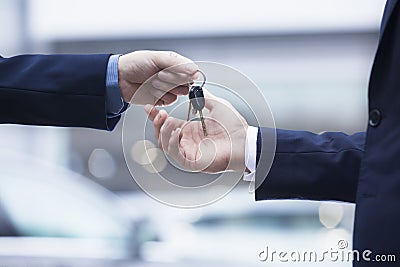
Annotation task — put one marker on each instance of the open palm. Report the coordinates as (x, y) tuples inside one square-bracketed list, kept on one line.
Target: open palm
[(221, 150), (209, 153)]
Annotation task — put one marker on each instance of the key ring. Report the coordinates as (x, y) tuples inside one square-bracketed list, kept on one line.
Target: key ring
[(204, 79)]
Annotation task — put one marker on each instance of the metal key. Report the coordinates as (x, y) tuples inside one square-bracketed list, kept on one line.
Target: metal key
[(197, 102)]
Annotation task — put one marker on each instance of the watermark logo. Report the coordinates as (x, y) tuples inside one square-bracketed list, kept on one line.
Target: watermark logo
[(339, 254), (342, 244)]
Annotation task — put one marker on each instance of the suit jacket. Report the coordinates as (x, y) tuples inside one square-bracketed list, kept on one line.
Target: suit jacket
[(56, 90), (363, 168)]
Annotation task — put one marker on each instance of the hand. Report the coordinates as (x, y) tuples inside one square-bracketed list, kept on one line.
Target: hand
[(222, 149), (173, 70)]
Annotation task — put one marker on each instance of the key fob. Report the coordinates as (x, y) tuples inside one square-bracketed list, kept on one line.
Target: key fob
[(196, 97)]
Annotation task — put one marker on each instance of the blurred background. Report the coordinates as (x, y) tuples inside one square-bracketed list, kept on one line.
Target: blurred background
[(66, 195)]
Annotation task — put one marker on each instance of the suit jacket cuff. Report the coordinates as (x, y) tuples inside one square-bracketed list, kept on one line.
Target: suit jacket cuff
[(313, 166)]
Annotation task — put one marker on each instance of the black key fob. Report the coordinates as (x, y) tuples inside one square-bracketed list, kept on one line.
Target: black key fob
[(196, 97)]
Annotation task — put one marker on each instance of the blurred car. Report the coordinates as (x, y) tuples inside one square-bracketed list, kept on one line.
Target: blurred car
[(50, 216), (234, 230)]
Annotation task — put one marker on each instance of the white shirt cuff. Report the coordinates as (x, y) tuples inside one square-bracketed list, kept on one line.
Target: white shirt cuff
[(250, 153)]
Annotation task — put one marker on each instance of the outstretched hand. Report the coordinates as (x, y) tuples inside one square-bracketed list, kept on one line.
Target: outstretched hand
[(223, 149)]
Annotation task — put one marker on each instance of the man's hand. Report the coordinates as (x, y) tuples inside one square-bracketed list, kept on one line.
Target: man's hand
[(173, 70), (222, 149)]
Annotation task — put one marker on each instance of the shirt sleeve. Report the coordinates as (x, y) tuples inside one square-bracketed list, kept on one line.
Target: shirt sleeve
[(114, 102), (250, 153)]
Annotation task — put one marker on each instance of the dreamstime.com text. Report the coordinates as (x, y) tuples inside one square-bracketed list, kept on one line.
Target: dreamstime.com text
[(339, 254)]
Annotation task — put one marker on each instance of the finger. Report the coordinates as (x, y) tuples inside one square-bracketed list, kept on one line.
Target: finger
[(180, 90), (159, 103), (209, 99), (151, 111), (166, 97), (157, 117), (166, 129), (170, 88), (159, 122), (162, 86), (212, 101), (180, 64), (174, 148), (174, 78), (165, 132)]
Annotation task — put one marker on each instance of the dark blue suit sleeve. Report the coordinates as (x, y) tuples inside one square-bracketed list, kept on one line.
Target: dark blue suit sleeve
[(55, 90), (312, 166)]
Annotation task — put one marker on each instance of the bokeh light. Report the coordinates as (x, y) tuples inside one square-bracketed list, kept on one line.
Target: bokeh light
[(101, 164)]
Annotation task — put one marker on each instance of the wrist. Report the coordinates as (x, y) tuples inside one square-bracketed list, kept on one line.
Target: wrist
[(238, 157), (123, 83)]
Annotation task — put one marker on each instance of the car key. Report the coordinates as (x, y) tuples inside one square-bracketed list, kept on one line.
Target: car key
[(197, 102)]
